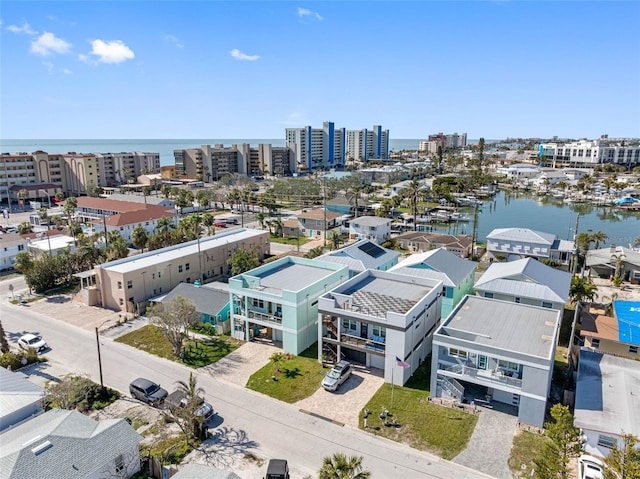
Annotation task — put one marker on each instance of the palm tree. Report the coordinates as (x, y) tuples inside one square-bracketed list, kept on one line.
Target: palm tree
[(146, 191), (582, 288), (23, 262), (414, 191), (334, 241), (25, 228), (619, 261), (261, 217), (339, 466), (139, 237), (597, 238), (163, 228), (208, 220), (44, 216)]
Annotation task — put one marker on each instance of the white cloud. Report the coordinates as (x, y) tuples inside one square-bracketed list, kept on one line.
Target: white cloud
[(25, 28), (305, 12), (66, 71), (174, 40), (47, 44), (238, 55), (114, 51)]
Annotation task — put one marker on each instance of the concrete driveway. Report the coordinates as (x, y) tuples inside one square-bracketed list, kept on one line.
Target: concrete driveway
[(344, 405)]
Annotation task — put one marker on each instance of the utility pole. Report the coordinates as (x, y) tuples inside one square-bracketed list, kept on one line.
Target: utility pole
[(324, 206), (575, 245)]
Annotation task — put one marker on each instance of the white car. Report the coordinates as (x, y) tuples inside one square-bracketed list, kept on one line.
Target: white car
[(32, 341), (590, 467)]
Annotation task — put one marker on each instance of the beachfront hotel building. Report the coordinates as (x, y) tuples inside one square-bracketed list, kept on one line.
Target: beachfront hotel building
[(279, 300), (117, 168), (587, 153), (378, 316), (127, 284), (365, 144)]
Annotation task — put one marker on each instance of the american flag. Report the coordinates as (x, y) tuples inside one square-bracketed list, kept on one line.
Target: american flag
[(401, 363)]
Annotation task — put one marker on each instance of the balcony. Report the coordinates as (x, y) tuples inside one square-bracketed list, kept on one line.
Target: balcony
[(498, 376), (363, 343), (267, 318)]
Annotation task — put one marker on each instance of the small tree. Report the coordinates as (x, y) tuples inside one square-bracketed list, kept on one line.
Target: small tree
[(25, 228), (339, 466), (4, 344), (186, 414), (623, 462), (565, 444), (139, 237), (243, 260), (582, 289), (174, 318)]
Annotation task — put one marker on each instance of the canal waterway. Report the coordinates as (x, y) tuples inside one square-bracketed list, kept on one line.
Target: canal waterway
[(547, 214)]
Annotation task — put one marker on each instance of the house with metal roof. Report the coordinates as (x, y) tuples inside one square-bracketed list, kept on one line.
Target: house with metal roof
[(420, 242), (607, 400), (604, 262), (526, 281), (361, 256), (279, 300), (370, 227), (489, 350), (60, 444), (515, 243), (618, 335), (377, 318), (457, 274), (20, 399)]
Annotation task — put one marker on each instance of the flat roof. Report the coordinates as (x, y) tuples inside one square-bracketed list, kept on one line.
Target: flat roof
[(174, 253), (504, 325), (291, 276)]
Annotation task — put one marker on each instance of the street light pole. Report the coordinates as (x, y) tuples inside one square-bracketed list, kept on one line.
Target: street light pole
[(99, 355)]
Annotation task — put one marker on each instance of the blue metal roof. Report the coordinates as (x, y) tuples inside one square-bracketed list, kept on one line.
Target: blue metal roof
[(628, 316)]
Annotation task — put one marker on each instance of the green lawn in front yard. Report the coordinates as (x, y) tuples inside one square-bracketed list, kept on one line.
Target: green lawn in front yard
[(299, 377), (423, 425), (196, 353), (290, 240), (526, 447)]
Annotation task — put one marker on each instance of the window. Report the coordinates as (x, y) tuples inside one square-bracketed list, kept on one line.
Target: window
[(517, 299), (633, 349), (508, 365), (547, 304), (636, 275), (349, 326), (179, 268), (20, 247), (187, 266), (379, 331), (595, 343), (258, 303), (153, 276), (159, 274), (457, 353), (119, 284), (488, 295), (121, 301), (129, 284), (119, 463), (606, 441)]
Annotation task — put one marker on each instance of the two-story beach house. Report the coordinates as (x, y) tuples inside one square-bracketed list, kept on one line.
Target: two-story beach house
[(279, 300), (515, 243), (377, 318), (370, 227), (489, 350)]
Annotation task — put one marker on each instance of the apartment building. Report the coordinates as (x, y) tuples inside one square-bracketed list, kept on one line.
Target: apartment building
[(378, 316), (117, 168), (365, 144), (279, 300), (317, 148), (593, 152), (128, 283), (446, 142), (489, 350)]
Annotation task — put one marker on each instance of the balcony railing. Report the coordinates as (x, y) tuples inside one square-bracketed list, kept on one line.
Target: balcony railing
[(363, 343), (269, 318), (498, 376)]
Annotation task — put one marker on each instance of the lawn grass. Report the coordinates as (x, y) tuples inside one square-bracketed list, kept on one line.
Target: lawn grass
[(299, 377), (423, 425), (290, 240), (526, 447), (195, 353)]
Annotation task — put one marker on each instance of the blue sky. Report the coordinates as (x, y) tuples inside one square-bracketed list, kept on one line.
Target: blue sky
[(212, 69)]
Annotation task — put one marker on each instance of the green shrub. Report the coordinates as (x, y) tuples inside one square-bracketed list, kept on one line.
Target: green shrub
[(13, 361), (204, 328), (77, 392)]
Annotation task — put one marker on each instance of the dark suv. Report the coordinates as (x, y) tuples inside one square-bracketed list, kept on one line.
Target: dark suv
[(147, 391), (277, 469)]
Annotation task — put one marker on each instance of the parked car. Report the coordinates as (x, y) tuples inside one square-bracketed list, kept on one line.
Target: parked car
[(147, 391), (277, 469), (178, 399), (338, 375), (220, 224), (590, 467), (32, 341)]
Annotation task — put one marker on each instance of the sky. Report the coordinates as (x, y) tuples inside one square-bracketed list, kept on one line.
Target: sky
[(215, 69)]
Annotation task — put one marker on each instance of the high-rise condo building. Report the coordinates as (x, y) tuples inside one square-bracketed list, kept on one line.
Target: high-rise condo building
[(317, 148), (365, 145)]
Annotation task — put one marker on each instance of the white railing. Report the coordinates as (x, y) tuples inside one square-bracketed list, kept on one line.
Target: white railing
[(264, 317), (498, 376)]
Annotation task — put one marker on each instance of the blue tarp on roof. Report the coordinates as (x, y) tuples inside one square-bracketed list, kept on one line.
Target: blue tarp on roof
[(628, 316)]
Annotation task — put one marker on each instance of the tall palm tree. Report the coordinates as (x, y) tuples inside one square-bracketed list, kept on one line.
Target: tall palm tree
[(597, 238), (619, 261), (163, 228), (339, 466), (413, 192), (139, 237), (334, 241)]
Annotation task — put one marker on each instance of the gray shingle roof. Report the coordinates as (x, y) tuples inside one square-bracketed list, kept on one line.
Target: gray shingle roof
[(205, 300), (526, 278), (437, 264), (79, 446)]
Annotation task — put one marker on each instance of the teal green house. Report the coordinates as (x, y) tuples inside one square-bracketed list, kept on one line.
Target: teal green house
[(457, 274), (279, 300)]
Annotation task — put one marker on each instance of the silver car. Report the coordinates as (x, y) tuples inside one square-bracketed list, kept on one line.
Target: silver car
[(338, 375)]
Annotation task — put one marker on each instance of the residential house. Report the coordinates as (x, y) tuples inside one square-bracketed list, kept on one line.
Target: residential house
[(607, 402), (526, 281), (126, 284), (370, 227), (150, 200), (549, 178), (60, 444), (279, 300), (10, 245), (420, 242), (318, 223), (397, 188), (515, 243), (377, 318), (20, 399), (604, 262), (618, 335), (210, 300), (457, 274), (490, 350), (362, 255)]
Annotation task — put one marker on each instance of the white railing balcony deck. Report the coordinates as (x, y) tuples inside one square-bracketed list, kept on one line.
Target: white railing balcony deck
[(269, 318), (498, 376)]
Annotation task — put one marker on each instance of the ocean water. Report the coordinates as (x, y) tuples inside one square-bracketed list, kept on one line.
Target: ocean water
[(164, 147)]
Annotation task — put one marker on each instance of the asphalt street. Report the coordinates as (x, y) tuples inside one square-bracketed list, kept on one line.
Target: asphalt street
[(257, 424)]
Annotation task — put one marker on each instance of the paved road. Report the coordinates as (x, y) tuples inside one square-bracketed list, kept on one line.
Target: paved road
[(260, 425)]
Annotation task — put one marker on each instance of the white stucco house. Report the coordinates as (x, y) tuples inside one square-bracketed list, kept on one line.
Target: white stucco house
[(373, 228)]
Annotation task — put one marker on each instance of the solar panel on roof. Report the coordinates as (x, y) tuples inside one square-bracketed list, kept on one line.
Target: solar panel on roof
[(371, 249)]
